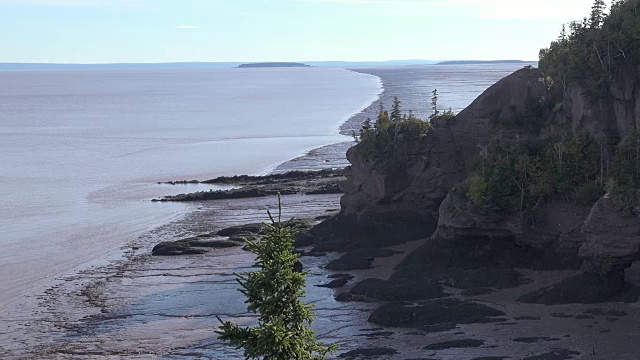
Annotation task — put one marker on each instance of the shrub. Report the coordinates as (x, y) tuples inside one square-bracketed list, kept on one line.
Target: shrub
[(589, 194), (625, 199), (477, 191)]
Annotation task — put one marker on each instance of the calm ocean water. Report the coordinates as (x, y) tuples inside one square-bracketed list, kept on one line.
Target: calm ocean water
[(81, 151)]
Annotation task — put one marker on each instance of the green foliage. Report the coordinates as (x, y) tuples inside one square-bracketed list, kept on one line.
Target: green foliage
[(624, 197), (436, 115), (274, 293), (597, 14), (625, 175), (396, 113), (517, 178), (444, 116), (626, 162), (478, 187), (589, 194), (597, 50), (392, 139)]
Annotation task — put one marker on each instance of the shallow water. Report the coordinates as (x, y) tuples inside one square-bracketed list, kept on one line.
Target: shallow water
[(81, 151)]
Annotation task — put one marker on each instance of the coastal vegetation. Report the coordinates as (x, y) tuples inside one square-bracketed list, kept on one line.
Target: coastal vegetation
[(436, 114), (394, 136), (519, 177), (275, 293), (554, 162), (624, 181), (596, 50)]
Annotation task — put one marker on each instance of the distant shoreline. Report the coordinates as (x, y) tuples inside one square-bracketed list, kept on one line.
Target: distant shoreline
[(272, 65), (217, 65), (482, 62)]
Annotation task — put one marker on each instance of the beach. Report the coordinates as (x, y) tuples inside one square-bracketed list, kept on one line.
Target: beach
[(130, 304)]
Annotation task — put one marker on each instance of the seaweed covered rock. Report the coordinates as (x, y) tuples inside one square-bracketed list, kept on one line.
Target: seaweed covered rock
[(192, 246)]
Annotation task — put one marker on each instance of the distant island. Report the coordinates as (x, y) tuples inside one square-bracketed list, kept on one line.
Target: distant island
[(474, 62), (272, 64)]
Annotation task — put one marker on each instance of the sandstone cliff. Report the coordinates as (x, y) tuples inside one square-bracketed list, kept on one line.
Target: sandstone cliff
[(427, 197), (385, 209)]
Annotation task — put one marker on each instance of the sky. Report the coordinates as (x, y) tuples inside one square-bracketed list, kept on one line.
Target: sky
[(113, 31)]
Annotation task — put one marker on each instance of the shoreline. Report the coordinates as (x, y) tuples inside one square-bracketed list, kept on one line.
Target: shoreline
[(133, 251), (106, 310), (153, 216)]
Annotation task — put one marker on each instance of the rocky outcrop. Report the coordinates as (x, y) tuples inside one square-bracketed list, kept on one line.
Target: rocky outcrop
[(429, 195), (292, 182), (612, 242), (607, 118), (192, 246), (380, 209), (626, 103), (557, 232), (434, 312), (233, 236)]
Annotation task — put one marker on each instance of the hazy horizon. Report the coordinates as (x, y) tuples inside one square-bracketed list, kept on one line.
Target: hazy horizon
[(267, 61)]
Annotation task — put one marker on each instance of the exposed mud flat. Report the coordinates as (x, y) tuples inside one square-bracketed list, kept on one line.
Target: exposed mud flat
[(148, 307), (142, 305)]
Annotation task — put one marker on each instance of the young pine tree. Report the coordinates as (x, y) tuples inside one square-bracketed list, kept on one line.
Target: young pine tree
[(396, 113), (275, 293), (434, 104)]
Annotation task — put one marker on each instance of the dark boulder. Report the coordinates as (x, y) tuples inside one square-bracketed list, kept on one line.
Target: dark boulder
[(460, 278), (359, 259), (433, 312), (455, 344), (173, 248), (191, 246), (583, 288), (391, 290), (368, 353)]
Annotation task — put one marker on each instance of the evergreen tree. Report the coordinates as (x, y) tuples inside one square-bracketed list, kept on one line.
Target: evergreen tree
[(597, 14), (434, 104), (396, 113), (274, 292), (365, 131)]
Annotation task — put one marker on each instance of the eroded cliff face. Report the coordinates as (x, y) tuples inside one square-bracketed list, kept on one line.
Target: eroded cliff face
[(611, 117), (612, 241), (558, 230), (428, 197), (385, 209), (626, 103)]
